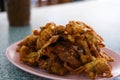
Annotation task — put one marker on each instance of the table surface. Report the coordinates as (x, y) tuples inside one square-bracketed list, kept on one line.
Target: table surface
[(102, 15)]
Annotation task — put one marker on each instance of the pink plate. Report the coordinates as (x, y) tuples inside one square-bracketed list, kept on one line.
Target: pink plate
[(13, 57)]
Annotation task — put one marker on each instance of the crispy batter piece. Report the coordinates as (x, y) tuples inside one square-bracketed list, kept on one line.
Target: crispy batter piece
[(75, 48)]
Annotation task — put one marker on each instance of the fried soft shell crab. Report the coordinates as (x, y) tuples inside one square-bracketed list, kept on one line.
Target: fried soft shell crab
[(75, 48)]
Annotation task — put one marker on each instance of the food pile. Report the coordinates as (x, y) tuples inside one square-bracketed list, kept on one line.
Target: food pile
[(72, 49)]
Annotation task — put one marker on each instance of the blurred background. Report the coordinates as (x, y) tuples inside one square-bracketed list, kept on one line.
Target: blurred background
[(39, 3)]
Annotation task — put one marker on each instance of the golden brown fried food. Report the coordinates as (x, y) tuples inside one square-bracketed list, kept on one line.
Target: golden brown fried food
[(75, 48), (47, 32)]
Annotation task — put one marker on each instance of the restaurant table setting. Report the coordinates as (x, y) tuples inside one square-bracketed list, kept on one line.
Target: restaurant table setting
[(102, 15)]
